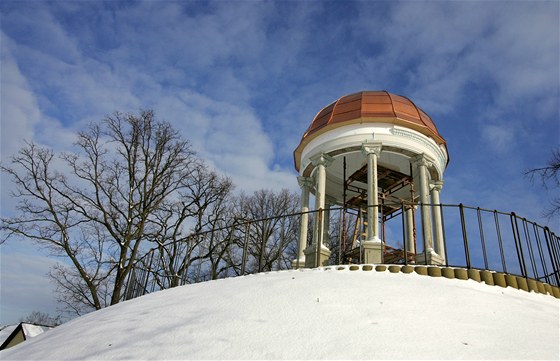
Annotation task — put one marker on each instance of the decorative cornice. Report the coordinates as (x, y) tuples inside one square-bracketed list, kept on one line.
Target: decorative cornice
[(442, 157), (437, 185), (421, 160), (305, 182), (321, 159), (372, 148)]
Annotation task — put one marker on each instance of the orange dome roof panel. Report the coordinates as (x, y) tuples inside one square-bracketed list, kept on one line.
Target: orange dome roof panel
[(349, 98), (405, 109), (377, 104), (345, 117), (346, 107), (399, 99), (321, 119), (368, 106), (376, 98), (427, 121), (377, 109)]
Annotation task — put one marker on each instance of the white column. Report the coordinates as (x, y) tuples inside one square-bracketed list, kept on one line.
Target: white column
[(305, 185), (410, 229), (429, 256), (372, 152), (372, 247), (436, 213), (321, 162), (329, 201), (422, 163)]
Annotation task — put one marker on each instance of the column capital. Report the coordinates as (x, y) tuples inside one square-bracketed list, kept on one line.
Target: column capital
[(305, 182), (422, 160), (321, 159), (371, 148), (437, 185)]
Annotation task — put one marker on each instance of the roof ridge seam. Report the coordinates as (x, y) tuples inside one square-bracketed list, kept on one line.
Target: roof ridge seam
[(391, 102), (417, 111), (331, 116)]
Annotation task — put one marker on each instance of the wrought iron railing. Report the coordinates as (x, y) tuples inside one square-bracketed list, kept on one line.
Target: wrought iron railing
[(491, 240), (473, 237)]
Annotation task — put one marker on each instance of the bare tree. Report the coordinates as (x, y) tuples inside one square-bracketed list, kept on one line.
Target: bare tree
[(42, 318), (201, 207), (218, 239), (549, 175), (274, 234), (98, 212)]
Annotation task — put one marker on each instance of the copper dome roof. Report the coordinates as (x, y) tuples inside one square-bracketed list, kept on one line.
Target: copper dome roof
[(370, 107)]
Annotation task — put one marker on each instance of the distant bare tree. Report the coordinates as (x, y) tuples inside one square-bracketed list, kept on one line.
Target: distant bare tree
[(202, 206), (219, 237), (42, 318), (97, 207), (549, 175), (273, 239)]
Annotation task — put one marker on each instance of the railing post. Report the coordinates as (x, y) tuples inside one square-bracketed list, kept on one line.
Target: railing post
[(341, 235), (128, 292), (551, 252), (444, 236), (319, 239), (148, 274), (245, 248), (465, 237), (483, 243), (518, 247), (405, 241), (282, 237), (530, 248), (263, 245), (539, 248), (500, 243), (556, 249), (424, 244)]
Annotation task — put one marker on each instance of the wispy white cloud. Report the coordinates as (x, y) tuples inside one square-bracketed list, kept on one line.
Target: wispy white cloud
[(499, 138), (443, 48), (20, 111), (24, 119)]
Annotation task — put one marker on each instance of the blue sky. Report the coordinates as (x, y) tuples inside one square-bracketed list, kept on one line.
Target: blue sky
[(243, 80)]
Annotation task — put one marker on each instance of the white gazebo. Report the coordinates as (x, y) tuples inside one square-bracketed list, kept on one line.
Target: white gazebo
[(377, 154)]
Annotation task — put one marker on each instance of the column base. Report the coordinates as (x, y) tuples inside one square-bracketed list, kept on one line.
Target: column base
[(301, 263), (373, 251), (311, 256), (431, 257)]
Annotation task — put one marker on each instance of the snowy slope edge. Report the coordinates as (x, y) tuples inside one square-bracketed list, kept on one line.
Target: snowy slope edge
[(313, 314)]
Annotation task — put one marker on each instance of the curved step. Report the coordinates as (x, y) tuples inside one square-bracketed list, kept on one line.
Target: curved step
[(490, 278)]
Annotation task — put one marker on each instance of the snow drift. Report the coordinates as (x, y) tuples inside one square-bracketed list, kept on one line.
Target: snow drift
[(313, 314)]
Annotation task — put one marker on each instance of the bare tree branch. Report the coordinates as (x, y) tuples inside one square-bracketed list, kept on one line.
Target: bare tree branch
[(549, 176)]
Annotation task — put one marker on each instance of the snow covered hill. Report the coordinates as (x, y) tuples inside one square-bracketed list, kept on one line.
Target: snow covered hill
[(313, 314)]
